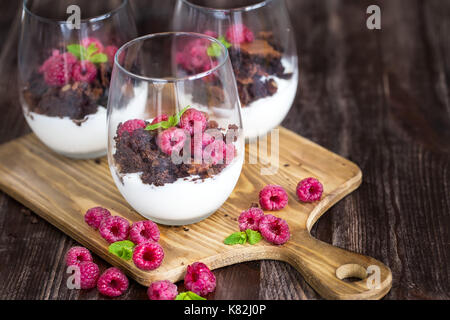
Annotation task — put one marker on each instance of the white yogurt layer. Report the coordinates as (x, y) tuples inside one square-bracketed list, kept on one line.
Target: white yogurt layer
[(184, 201), (87, 140), (262, 115), (84, 141)]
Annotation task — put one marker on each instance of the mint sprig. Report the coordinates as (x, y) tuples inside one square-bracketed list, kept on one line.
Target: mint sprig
[(250, 236), (171, 122), (224, 42), (122, 249), (215, 50), (253, 237), (90, 53), (236, 238), (189, 295)]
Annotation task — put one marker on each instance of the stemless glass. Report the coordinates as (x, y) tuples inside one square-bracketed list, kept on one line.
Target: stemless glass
[(65, 71), (262, 49), (176, 145)]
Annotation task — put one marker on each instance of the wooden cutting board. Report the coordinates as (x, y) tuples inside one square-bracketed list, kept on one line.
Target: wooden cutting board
[(60, 190)]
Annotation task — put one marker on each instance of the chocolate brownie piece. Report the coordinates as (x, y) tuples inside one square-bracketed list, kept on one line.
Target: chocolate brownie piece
[(138, 152), (253, 64), (76, 100)]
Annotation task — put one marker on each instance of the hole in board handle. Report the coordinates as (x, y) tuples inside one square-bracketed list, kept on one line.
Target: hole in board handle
[(351, 272)]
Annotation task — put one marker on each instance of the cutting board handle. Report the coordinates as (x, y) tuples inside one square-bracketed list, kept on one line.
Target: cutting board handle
[(325, 267)]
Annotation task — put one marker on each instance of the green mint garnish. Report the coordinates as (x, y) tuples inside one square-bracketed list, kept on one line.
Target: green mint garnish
[(83, 53), (122, 249), (224, 42), (236, 238), (253, 236), (250, 236), (214, 50), (171, 122), (78, 51), (189, 295), (98, 58)]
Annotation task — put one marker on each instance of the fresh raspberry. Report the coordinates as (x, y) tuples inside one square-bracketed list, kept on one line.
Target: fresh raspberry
[(239, 33), (84, 71), (309, 190), (192, 117), (112, 283), (58, 68), (111, 51), (229, 152), (130, 126), (214, 152), (273, 198), (161, 118), (199, 279), (210, 33), (114, 229), (171, 140), (89, 273), (199, 144), (274, 230), (194, 56), (162, 290), (95, 216), (144, 231), (148, 256), (249, 219), (86, 42), (76, 255)]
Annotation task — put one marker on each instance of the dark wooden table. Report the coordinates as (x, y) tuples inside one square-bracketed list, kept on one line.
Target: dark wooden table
[(378, 97)]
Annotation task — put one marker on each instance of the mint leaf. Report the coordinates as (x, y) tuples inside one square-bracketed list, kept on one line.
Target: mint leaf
[(98, 58), (92, 49), (214, 50), (122, 249), (189, 295), (171, 122), (78, 51), (224, 42), (253, 236), (175, 120), (236, 238)]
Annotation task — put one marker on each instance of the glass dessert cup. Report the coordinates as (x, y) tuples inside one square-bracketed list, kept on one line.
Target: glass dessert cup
[(262, 49), (176, 145), (65, 71)]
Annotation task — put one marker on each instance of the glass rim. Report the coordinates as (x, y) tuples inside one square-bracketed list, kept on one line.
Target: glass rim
[(250, 7), (82, 21), (170, 80)]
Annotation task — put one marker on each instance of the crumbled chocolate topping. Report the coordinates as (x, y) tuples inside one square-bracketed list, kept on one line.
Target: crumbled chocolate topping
[(138, 152), (75, 100), (253, 63)]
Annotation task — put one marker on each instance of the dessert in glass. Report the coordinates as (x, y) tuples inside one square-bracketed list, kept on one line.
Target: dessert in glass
[(65, 71), (260, 41), (176, 145)]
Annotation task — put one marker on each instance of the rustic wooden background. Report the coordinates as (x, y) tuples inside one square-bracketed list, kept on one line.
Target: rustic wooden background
[(379, 98)]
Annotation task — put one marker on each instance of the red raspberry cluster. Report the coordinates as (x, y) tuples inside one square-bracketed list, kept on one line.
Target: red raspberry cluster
[(111, 283), (61, 68), (198, 279)]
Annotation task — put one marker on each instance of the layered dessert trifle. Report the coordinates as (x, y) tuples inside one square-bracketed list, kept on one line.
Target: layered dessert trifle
[(266, 77), (65, 98), (267, 80), (178, 169)]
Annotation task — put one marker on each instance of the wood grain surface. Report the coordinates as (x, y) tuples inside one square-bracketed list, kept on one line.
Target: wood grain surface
[(61, 190), (379, 98)]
